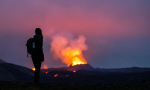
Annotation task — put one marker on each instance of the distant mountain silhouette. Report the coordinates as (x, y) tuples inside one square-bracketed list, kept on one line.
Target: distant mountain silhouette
[(1, 61), (124, 70), (84, 74), (86, 67), (12, 72)]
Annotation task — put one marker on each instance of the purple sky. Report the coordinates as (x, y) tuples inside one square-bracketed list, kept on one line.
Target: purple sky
[(117, 31)]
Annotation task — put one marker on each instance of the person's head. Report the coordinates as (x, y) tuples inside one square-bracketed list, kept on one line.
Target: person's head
[(38, 31)]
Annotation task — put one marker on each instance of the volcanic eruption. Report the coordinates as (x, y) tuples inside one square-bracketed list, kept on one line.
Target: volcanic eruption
[(68, 49)]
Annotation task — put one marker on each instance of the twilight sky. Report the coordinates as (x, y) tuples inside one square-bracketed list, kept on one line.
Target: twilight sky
[(117, 32)]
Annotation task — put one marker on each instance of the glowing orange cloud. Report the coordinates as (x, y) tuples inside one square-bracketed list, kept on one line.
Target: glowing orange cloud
[(69, 50)]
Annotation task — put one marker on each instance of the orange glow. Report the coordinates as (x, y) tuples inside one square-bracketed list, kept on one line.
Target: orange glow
[(55, 75), (67, 75), (46, 72), (33, 69), (45, 67), (69, 50), (74, 71), (73, 56), (77, 61)]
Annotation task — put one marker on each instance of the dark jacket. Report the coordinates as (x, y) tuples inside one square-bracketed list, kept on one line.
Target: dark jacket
[(38, 53)]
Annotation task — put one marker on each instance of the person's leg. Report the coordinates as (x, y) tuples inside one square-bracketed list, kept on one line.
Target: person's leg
[(36, 58), (37, 71)]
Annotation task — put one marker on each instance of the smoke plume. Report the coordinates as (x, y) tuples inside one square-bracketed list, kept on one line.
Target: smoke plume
[(69, 50)]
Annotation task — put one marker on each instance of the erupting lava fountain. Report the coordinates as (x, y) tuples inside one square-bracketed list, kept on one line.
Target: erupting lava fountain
[(69, 50)]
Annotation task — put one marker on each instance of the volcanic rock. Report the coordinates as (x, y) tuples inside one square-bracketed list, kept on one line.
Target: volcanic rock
[(72, 86), (87, 67)]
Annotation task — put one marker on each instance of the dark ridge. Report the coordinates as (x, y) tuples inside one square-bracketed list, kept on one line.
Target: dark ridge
[(84, 74), (12, 72), (1, 61), (87, 67)]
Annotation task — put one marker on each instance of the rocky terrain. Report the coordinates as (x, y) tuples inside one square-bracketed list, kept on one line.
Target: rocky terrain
[(72, 86), (85, 77), (16, 73)]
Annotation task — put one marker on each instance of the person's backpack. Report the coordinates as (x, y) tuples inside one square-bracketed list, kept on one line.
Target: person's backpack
[(30, 46)]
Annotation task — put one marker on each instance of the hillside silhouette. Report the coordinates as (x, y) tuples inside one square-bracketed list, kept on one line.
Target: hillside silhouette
[(83, 74)]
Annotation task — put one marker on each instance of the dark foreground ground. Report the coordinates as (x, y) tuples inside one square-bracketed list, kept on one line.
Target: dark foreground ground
[(72, 86)]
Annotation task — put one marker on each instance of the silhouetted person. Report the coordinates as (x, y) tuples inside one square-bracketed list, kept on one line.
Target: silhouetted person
[(37, 55)]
